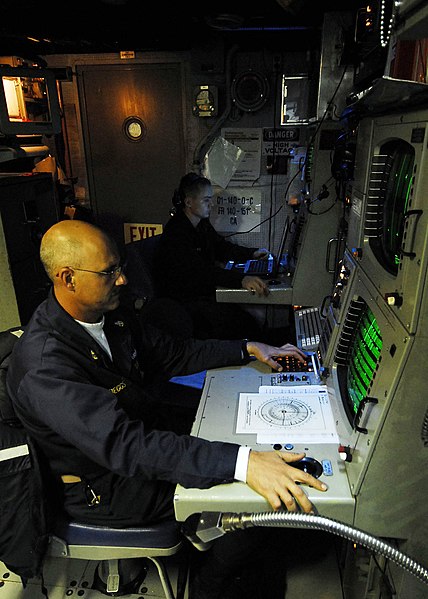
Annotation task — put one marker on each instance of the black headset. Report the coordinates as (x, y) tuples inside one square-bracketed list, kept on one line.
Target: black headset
[(185, 184)]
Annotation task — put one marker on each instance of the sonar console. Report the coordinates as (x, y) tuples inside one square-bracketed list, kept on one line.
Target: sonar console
[(284, 411)]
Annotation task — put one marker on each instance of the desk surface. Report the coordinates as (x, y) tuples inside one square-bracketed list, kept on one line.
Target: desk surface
[(280, 293), (216, 420)]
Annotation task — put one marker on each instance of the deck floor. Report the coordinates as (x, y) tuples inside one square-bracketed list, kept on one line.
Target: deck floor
[(65, 579)]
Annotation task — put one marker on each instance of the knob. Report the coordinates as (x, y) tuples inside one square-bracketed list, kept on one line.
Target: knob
[(345, 453)]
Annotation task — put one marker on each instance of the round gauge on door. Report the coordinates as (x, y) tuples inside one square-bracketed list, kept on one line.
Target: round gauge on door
[(134, 128)]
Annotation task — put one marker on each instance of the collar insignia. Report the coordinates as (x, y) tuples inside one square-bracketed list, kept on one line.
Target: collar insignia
[(118, 388)]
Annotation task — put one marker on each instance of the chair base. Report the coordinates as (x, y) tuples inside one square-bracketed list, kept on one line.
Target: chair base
[(115, 578), (122, 552)]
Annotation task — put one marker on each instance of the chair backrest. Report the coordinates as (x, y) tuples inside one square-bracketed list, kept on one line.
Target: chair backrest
[(139, 270), (8, 339), (24, 521), (140, 292)]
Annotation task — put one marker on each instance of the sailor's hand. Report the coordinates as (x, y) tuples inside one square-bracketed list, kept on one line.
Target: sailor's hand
[(272, 475), (256, 285), (268, 353), (261, 254)]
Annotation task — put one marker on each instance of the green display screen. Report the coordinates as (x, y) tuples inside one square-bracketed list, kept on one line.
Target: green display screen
[(364, 356), (392, 189)]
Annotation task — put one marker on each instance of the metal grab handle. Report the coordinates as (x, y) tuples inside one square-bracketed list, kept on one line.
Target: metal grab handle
[(406, 215), (323, 310), (360, 411), (327, 257)]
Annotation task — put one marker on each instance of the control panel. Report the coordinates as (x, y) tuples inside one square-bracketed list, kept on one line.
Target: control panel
[(295, 372)]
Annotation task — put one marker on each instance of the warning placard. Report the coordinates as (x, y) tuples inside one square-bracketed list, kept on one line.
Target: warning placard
[(279, 141)]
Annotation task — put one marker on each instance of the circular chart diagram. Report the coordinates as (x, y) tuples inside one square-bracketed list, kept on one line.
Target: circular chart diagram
[(285, 412)]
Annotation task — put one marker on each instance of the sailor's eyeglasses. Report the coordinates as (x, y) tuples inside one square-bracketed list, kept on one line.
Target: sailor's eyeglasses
[(113, 273)]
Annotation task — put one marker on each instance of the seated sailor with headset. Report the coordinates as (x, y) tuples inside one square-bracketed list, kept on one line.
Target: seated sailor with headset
[(77, 383), (187, 266)]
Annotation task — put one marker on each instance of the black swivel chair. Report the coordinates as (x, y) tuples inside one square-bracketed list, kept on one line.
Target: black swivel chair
[(140, 292), (139, 269)]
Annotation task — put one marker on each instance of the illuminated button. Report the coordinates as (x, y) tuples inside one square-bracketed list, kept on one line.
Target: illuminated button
[(327, 468), (288, 446), (394, 299)]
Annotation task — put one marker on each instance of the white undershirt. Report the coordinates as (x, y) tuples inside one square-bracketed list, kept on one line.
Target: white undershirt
[(95, 329)]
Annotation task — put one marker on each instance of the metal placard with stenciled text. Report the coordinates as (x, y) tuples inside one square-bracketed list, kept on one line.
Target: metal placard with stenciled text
[(237, 209)]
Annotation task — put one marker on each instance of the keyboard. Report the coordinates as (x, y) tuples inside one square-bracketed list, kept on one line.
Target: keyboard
[(259, 267), (262, 268)]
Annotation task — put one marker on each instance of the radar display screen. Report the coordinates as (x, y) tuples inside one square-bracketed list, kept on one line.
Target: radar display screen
[(390, 188), (363, 358), (358, 354)]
